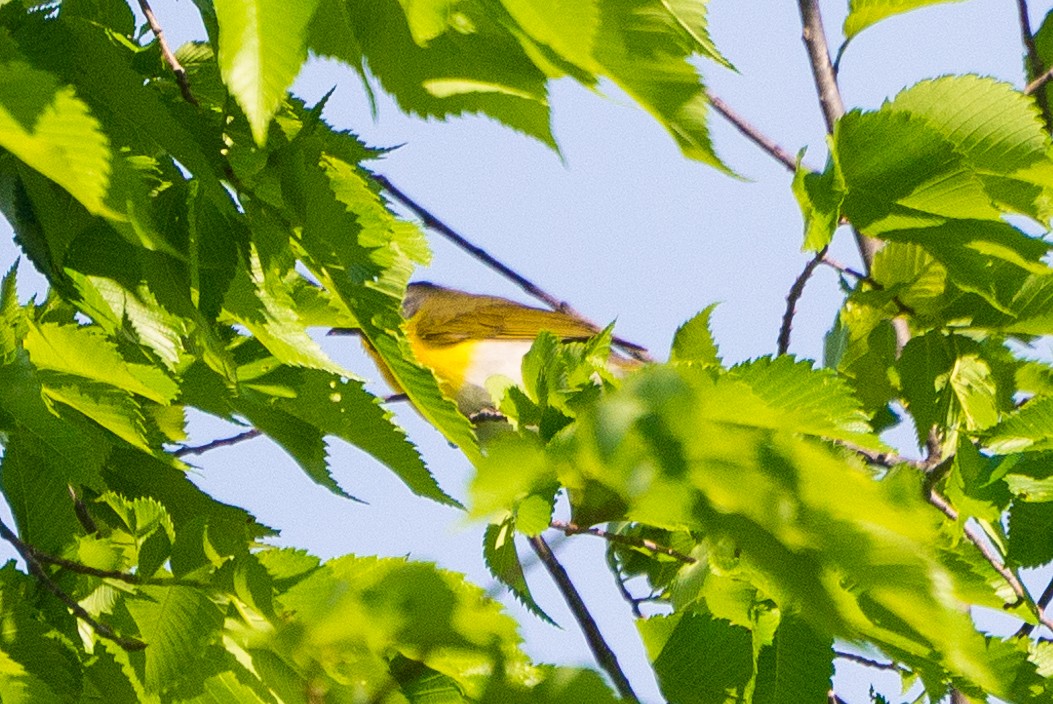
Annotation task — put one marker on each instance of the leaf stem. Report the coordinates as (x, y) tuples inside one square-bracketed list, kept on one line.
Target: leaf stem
[(605, 657)]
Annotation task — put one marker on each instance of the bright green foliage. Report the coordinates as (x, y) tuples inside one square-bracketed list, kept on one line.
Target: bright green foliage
[(261, 48), (195, 251), (863, 13)]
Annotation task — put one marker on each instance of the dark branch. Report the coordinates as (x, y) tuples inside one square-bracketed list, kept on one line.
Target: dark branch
[(600, 650), (216, 444), (1042, 603), (433, 223), (30, 555), (895, 667), (753, 134), (989, 554), (166, 53), (796, 291), (1034, 62), (572, 529)]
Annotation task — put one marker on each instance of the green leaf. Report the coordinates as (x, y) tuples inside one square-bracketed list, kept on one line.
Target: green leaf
[(502, 560), (262, 44), (176, 623), (997, 129), (820, 197), (797, 666), (811, 401), (643, 48), (1029, 429), (1030, 533), (84, 351), (698, 659), (51, 130), (473, 66), (693, 341), (863, 13), (352, 613), (947, 382), (342, 408), (899, 171)]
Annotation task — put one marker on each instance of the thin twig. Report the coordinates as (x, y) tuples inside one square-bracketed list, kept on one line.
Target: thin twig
[(885, 459), (1042, 603), (1039, 82), (29, 554), (605, 657), (166, 53), (632, 601), (859, 659), (1034, 62), (125, 577), (977, 539), (830, 102), (572, 529), (753, 134), (796, 291), (832, 698), (636, 351), (216, 444), (845, 269)]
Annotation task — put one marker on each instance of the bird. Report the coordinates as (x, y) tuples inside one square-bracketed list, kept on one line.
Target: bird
[(467, 338)]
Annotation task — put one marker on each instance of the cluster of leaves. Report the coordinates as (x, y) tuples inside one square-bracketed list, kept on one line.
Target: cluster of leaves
[(191, 246)]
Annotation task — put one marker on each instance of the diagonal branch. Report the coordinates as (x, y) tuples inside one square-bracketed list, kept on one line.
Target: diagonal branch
[(796, 291), (29, 554), (830, 102), (166, 53), (1042, 603), (600, 650), (976, 538), (216, 444), (489, 260), (750, 132)]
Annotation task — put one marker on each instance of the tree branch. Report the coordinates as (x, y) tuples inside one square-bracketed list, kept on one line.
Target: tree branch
[(796, 291), (830, 102), (572, 529), (166, 53), (859, 659), (1042, 603), (430, 221), (989, 554), (216, 444), (1034, 62), (605, 657), (30, 555), (753, 134)]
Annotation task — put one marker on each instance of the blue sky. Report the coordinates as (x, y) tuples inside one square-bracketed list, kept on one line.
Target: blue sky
[(625, 229)]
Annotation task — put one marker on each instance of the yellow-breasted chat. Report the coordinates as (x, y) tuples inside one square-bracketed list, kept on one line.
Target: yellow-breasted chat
[(466, 338)]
